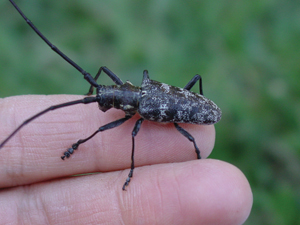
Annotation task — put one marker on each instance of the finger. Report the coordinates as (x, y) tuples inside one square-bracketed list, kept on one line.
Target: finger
[(195, 192), (33, 154)]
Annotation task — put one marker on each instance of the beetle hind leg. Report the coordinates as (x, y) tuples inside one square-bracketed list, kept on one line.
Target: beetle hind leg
[(193, 81), (190, 137)]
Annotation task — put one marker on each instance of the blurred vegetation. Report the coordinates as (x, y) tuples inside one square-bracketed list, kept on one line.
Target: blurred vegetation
[(248, 53)]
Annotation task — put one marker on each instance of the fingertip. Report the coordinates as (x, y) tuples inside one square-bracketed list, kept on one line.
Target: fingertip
[(225, 191), (229, 190)]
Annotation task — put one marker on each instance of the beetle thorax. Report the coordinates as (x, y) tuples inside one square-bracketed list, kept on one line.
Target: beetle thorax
[(124, 97)]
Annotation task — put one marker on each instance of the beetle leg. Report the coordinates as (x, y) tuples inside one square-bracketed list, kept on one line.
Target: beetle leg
[(136, 129), (103, 128), (193, 81), (111, 75), (190, 137)]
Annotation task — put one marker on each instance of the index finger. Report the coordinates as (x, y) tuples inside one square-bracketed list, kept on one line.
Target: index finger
[(33, 154)]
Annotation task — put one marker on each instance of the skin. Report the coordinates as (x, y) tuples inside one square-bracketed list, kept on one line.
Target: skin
[(169, 186)]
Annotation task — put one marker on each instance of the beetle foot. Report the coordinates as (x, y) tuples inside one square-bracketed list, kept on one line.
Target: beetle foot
[(127, 180), (70, 151)]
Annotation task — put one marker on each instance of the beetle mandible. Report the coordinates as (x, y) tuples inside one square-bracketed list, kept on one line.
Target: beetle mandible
[(153, 101)]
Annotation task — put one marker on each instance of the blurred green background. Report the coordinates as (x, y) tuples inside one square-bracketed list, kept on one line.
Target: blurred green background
[(248, 53)]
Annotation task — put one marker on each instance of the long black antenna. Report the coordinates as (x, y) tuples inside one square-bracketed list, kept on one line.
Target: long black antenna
[(86, 100), (86, 75)]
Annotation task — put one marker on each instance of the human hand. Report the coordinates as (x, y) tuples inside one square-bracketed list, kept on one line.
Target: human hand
[(37, 186)]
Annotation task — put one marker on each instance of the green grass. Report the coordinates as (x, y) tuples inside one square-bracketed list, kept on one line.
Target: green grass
[(248, 53)]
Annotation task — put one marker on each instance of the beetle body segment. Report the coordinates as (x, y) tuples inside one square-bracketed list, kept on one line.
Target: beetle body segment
[(165, 103), (124, 97)]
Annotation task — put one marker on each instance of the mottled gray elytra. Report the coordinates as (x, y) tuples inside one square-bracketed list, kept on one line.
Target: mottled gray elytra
[(153, 101)]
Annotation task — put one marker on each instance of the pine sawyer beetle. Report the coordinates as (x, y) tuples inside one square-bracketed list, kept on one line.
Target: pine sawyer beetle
[(153, 101)]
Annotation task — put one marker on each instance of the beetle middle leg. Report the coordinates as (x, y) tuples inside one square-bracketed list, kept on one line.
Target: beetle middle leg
[(190, 137), (136, 129), (102, 128)]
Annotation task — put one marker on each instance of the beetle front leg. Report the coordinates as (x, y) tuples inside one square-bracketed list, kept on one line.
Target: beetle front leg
[(190, 137), (103, 128), (134, 133), (111, 75)]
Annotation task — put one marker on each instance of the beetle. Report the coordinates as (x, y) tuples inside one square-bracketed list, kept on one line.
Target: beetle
[(153, 101)]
